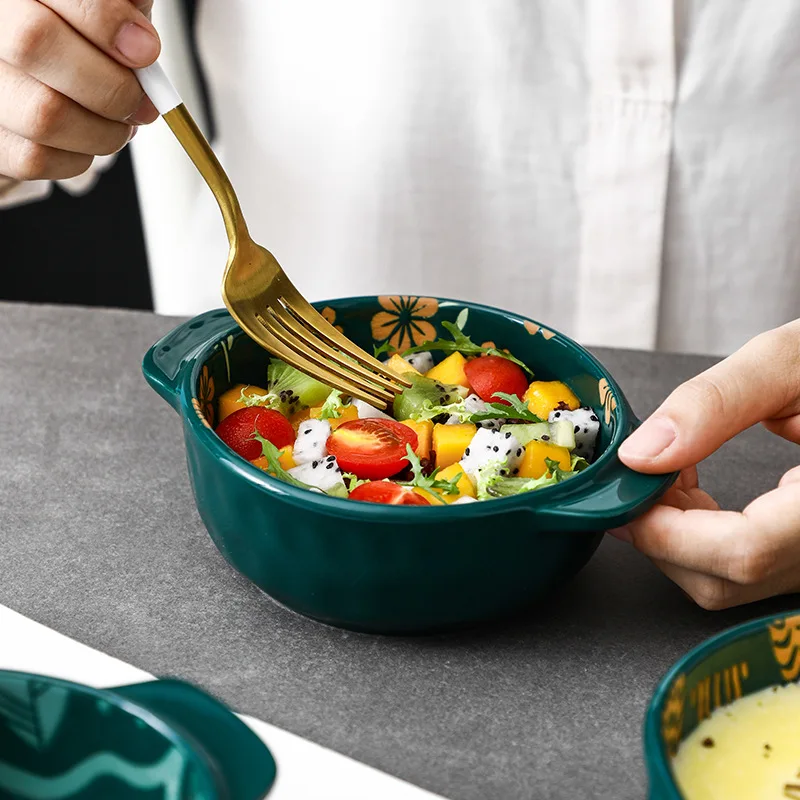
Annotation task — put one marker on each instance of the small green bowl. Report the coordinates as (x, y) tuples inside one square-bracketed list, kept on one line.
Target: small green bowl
[(398, 569), (736, 663), (160, 740)]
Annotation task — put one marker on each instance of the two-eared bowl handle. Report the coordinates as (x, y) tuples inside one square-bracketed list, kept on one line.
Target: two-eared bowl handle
[(237, 755), (164, 363), (158, 87), (613, 497)]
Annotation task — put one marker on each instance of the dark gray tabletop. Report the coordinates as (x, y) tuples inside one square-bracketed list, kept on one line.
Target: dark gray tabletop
[(100, 539)]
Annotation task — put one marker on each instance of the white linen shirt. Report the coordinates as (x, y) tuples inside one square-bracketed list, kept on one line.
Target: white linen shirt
[(626, 172)]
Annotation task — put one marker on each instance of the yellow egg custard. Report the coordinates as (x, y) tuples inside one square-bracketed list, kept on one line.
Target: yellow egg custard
[(748, 750)]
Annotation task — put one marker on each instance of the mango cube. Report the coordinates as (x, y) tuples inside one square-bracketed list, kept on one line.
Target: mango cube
[(543, 397), (450, 442), (451, 370), (533, 462)]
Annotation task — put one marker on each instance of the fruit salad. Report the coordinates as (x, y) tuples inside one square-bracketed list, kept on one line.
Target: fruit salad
[(475, 426)]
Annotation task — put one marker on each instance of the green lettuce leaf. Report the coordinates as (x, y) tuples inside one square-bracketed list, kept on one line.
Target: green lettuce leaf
[(517, 410), (332, 407), (461, 343), (428, 482), (273, 456)]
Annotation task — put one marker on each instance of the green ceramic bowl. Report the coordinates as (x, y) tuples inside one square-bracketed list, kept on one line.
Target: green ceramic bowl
[(160, 740), (397, 569), (738, 662)]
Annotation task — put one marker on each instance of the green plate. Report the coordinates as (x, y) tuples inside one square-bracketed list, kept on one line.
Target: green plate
[(160, 740), (736, 663), (398, 569)]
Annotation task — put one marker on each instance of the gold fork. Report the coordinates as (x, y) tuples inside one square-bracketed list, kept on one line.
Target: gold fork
[(256, 290)]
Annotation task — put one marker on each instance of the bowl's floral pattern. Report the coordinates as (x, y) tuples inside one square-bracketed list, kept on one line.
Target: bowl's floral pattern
[(404, 322), (607, 399), (204, 402), (785, 636), (330, 315), (533, 329)]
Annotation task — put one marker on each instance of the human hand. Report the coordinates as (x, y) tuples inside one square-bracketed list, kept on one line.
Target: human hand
[(723, 558), (67, 92)]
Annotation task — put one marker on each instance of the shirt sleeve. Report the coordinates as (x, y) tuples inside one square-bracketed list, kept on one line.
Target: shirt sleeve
[(17, 193)]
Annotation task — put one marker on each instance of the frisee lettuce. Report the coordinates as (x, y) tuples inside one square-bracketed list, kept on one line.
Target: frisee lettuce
[(492, 484), (273, 456), (428, 482), (461, 343), (332, 407), (352, 481), (382, 349), (517, 410)]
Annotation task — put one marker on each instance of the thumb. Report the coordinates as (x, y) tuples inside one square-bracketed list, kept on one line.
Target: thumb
[(756, 383)]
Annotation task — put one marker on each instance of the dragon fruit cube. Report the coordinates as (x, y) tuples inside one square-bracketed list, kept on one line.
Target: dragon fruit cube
[(312, 441), (322, 474), (475, 405), (489, 447), (586, 425), (422, 362)]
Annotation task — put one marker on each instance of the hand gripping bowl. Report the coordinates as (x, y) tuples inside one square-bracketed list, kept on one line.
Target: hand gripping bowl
[(736, 663), (397, 569), (160, 740)]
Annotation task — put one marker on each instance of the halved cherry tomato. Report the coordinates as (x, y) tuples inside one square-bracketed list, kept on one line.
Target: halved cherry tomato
[(492, 374), (237, 429), (389, 493), (372, 449)]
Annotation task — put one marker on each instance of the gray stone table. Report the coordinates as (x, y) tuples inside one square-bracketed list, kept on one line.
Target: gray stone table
[(100, 539)]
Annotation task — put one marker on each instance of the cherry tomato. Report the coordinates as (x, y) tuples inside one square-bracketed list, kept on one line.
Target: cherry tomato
[(237, 429), (389, 493), (492, 374), (372, 449)]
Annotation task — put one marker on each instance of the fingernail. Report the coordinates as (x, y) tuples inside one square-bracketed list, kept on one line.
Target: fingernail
[(134, 131), (649, 441), (623, 534), (138, 45), (144, 114)]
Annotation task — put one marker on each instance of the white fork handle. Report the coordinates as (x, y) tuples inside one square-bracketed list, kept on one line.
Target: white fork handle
[(158, 87)]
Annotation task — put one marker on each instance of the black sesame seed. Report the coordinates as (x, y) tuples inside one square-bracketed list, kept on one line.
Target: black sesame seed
[(557, 414), (577, 429), (519, 451), (504, 472), (307, 430), (545, 438), (586, 430), (508, 434), (446, 398), (314, 464), (330, 466), (466, 452), (708, 742), (516, 471), (496, 448), (593, 418)]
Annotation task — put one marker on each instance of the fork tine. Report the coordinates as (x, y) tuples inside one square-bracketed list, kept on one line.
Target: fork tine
[(296, 352), (313, 368), (289, 321), (306, 313)]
